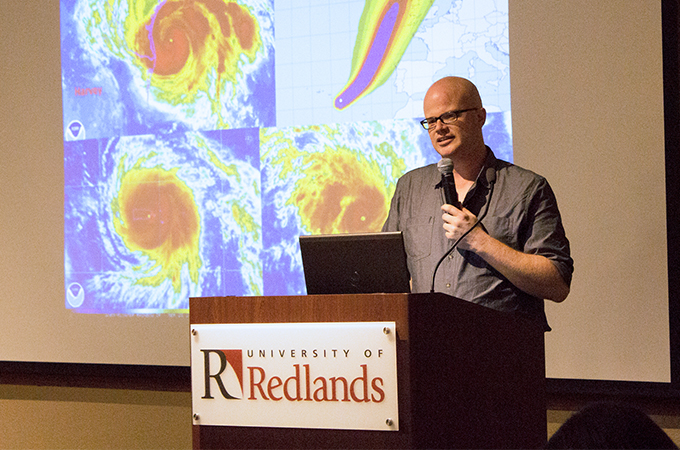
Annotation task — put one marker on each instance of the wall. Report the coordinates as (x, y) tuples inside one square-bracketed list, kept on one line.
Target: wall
[(56, 417)]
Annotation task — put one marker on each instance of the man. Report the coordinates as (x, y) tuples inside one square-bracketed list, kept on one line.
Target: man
[(518, 255)]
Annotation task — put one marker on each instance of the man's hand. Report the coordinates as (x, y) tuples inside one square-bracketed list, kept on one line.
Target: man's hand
[(457, 222), (534, 274)]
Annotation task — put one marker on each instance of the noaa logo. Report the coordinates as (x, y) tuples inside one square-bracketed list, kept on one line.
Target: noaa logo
[(75, 131), (75, 295)]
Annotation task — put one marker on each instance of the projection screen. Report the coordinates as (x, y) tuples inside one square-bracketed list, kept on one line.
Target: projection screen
[(156, 151)]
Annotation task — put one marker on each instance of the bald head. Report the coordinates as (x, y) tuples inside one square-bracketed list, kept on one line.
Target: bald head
[(453, 90)]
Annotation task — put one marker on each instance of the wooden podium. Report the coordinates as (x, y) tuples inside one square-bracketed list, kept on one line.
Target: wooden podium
[(468, 376)]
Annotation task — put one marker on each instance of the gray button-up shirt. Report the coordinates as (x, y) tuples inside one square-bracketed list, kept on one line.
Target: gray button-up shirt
[(522, 214)]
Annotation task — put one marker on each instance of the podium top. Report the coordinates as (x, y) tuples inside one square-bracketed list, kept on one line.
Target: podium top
[(419, 313)]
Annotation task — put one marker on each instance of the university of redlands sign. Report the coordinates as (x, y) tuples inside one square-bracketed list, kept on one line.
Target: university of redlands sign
[(305, 375)]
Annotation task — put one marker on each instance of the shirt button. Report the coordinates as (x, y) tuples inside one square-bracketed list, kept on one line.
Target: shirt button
[(450, 256), (448, 285)]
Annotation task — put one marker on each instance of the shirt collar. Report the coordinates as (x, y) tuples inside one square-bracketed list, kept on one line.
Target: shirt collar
[(490, 161)]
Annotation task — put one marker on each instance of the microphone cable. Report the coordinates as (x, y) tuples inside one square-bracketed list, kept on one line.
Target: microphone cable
[(491, 178)]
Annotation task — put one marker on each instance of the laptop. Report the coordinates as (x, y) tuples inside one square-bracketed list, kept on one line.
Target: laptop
[(356, 263)]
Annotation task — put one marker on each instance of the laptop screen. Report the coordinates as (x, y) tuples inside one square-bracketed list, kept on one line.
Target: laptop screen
[(357, 263)]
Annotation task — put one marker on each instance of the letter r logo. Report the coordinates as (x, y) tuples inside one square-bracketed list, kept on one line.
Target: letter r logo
[(233, 358)]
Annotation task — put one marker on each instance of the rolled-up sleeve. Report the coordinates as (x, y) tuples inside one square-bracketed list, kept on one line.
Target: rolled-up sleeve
[(543, 231)]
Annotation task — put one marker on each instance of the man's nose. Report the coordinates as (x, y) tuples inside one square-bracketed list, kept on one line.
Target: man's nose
[(439, 126)]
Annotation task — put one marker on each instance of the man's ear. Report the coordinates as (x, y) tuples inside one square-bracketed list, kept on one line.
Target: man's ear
[(482, 115)]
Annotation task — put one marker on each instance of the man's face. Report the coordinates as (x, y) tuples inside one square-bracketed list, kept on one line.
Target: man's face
[(459, 137)]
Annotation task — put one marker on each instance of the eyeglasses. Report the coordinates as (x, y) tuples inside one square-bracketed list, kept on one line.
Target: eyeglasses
[(447, 118)]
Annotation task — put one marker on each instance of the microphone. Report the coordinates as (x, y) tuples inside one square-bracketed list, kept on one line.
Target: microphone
[(491, 176), (491, 179), (445, 167)]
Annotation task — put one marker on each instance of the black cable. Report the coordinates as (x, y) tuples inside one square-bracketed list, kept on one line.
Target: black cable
[(491, 178)]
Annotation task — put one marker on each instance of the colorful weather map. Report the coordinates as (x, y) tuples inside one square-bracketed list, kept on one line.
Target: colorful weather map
[(202, 138), (154, 219)]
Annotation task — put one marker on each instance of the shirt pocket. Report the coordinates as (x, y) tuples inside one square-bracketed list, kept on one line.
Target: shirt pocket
[(503, 229), (418, 236)]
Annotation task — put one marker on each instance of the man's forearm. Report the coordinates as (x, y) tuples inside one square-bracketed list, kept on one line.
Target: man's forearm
[(534, 274)]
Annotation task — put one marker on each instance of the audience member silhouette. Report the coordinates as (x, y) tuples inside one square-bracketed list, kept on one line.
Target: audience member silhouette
[(610, 426)]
